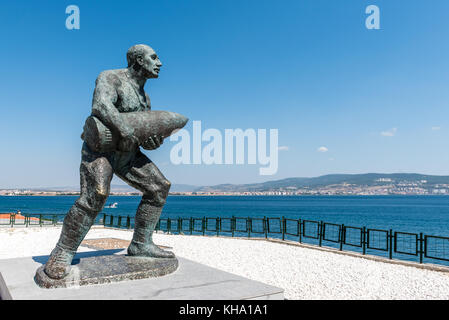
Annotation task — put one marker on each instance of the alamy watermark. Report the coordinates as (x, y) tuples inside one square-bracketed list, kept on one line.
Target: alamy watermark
[(228, 150), (73, 20), (373, 20)]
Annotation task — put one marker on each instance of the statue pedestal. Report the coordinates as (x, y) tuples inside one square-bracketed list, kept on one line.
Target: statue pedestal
[(107, 269), (111, 275)]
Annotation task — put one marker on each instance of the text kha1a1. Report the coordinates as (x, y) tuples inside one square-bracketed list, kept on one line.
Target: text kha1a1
[(242, 309)]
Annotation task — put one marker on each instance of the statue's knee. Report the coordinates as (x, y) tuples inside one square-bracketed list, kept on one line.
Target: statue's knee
[(95, 184), (166, 185), (101, 193)]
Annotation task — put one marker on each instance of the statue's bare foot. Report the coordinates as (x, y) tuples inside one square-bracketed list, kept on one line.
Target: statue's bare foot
[(148, 250), (58, 265)]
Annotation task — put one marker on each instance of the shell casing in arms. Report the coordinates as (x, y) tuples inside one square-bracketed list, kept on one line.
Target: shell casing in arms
[(146, 124)]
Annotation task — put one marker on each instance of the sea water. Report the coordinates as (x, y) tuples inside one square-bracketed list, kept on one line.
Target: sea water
[(415, 214)]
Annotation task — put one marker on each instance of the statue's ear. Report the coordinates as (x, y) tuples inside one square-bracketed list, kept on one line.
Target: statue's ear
[(139, 60)]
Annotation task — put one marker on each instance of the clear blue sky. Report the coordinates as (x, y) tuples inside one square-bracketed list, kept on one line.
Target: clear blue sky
[(309, 68)]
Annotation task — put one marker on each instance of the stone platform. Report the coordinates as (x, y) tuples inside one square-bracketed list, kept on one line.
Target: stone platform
[(107, 269), (190, 281)]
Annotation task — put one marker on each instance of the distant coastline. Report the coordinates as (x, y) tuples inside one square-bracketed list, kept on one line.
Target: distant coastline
[(368, 184), (222, 195)]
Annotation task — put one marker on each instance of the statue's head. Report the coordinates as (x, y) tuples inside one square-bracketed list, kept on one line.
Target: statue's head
[(144, 59)]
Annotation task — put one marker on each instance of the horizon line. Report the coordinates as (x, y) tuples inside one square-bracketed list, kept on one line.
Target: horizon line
[(199, 186)]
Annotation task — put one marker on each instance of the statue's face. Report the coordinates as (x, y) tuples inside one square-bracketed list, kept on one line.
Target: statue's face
[(150, 64)]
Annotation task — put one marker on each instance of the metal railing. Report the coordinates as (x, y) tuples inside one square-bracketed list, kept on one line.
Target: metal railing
[(392, 244)]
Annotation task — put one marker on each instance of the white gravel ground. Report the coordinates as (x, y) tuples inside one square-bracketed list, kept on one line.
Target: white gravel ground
[(303, 273)]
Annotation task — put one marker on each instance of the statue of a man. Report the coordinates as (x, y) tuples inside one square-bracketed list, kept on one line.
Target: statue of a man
[(117, 91)]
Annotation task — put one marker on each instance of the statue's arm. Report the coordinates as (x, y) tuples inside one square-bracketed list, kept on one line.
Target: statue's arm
[(103, 105)]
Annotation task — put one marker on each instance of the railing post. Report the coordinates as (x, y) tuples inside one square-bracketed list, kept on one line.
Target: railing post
[(128, 222), (265, 226), (217, 225), (40, 220), (300, 230), (203, 224), (168, 225), (249, 225), (320, 233), (104, 219), (233, 225), (119, 221), (283, 228), (342, 236), (191, 225), (421, 251), (12, 219), (179, 225), (364, 240), (391, 244)]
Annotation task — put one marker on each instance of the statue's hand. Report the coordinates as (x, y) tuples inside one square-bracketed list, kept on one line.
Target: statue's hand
[(153, 142)]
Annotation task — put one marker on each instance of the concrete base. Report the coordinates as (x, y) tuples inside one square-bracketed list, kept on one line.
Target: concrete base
[(108, 268), (191, 281)]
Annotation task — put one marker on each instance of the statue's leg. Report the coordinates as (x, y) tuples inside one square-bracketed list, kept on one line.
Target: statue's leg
[(142, 174), (95, 175)]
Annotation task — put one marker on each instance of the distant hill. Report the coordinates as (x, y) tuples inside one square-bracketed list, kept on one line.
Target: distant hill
[(368, 179), (183, 188)]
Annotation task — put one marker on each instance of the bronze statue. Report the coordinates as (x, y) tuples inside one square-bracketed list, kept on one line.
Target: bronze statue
[(112, 139)]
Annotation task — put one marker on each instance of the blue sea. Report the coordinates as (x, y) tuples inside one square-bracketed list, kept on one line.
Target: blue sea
[(415, 214)]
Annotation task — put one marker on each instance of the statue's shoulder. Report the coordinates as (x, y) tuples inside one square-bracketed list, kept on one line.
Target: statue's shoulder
[(111, 77)]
